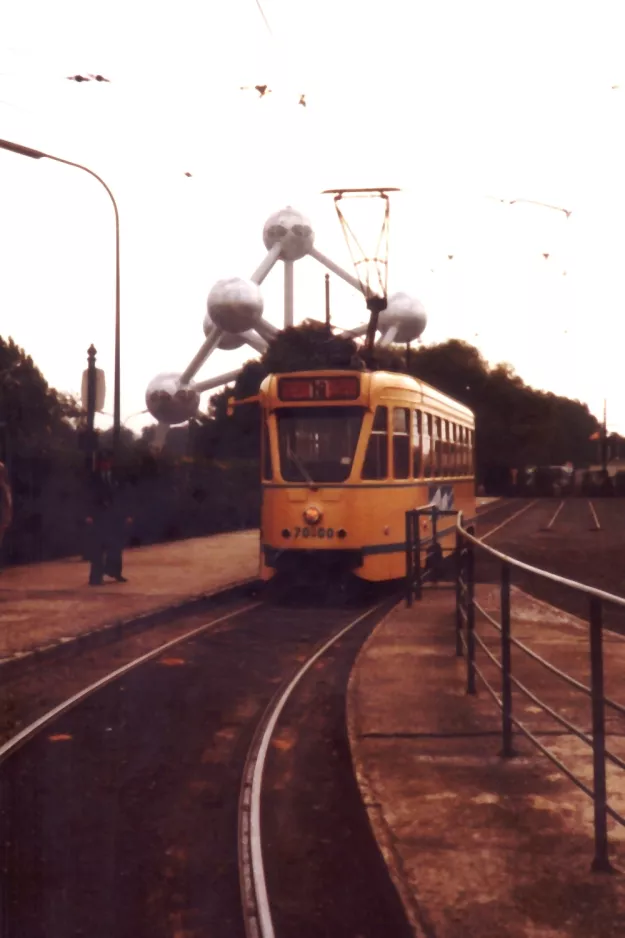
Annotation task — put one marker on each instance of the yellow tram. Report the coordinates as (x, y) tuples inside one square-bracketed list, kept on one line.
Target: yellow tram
[(344, 455)]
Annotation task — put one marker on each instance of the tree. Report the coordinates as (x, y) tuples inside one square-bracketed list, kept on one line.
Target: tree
[(516, 425), (33, 416), (310, 347)]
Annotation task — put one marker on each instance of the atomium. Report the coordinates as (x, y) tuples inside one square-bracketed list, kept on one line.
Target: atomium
[(234, 317), (235, 305), (292, 231), (229, 341), (169, 402), (403, 320)]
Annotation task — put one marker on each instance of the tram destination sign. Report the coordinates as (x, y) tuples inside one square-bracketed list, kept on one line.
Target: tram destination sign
[(342, 388)]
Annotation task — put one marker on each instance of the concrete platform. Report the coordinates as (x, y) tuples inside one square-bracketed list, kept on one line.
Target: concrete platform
[(43, 605), (479, 845)]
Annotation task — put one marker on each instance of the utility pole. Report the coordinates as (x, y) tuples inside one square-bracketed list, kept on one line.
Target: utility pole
[(328, 302), (604, 437), (91, 393)]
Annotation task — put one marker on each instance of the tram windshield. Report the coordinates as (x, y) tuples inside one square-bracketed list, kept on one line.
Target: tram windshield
[(317, 444)]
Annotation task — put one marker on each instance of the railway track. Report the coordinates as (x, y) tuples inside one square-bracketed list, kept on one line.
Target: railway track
[(203, 787)]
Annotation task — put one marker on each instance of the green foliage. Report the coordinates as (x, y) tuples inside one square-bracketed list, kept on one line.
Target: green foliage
[(517, 425), (310, 347), (33, 417), (206, 477)]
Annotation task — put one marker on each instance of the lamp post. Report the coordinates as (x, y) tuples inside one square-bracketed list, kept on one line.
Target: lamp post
[(38, 155)]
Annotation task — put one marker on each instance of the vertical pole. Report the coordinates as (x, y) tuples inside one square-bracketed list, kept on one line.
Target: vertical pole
[(375, 305), (417, 553), (408, 357), (470, 618), (601, 862), (117, 364), (604, 437), (409, 555), (458, 559), (434, 550), (327, 284), (288, 293), (91, 389), (506, 664)]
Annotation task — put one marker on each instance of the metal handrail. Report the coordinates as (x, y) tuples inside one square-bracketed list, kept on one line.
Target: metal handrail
[(466, 604), (546, 574), (547, 664), (552, 713), (488, 687), (414, 544), (486, 650), (487, 615)]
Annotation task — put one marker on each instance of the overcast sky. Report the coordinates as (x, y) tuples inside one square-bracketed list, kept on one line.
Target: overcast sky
[(451, 102)]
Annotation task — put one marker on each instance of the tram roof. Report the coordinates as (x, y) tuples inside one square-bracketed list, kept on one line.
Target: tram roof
[(376, 382)]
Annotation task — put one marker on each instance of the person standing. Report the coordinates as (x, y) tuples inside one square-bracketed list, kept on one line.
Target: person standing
[(108, 524)]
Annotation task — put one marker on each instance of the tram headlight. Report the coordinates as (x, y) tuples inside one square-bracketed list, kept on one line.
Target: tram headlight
[(312, 515)]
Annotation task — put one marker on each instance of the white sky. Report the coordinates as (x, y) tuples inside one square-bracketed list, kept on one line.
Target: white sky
[(449, 101)]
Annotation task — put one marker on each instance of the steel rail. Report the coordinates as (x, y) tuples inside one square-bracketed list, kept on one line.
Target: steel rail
[(32, 729), (521, 511), (256, 905)]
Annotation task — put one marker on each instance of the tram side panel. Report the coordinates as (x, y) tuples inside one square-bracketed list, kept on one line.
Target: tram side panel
[(365, 523)]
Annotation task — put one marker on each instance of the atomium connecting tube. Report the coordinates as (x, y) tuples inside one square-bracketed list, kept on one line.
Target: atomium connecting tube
[(235, 316)]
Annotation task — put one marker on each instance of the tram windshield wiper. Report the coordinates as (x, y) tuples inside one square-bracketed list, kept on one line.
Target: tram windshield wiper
[(300, 465)]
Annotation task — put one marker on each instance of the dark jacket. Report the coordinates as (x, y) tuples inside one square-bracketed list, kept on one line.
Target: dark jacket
[(108, 507)]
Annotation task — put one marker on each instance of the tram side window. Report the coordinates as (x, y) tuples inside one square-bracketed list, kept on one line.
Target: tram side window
[(466, 463), (417, 418), (436, 446), (401, 443), (426, 443), (452, 448), (462, 459), (376, 458), (471, 453), (444, 466), (267, 467)]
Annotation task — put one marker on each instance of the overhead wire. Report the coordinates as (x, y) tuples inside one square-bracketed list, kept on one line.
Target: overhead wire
[(265, 20)]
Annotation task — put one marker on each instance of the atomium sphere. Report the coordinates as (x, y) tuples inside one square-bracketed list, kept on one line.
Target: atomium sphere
[(293, 230), (168, 402), (228, 341), (235, 304), (407, 314)]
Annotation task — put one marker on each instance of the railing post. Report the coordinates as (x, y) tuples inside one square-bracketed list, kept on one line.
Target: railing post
[(470, 618), (416, 563), (458, 560), (601, 862), (506, 664), (409, 570), (434, 552)]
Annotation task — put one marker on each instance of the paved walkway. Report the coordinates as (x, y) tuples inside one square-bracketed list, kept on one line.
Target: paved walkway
[(47, 603), (479, 845)]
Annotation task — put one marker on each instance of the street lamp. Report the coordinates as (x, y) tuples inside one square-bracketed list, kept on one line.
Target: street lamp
[(38, 155)]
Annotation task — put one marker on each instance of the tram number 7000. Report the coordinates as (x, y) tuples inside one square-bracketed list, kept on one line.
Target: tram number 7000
[(313, 532)]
